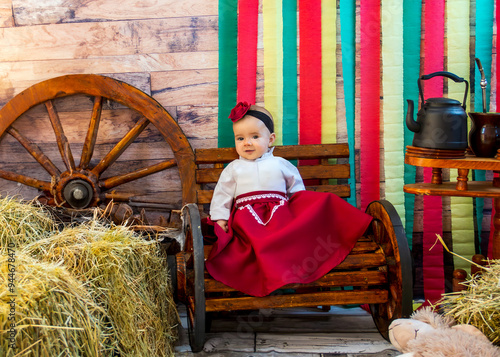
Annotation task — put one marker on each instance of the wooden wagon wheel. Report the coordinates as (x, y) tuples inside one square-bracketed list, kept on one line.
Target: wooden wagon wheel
[(389, 234), (195, 277), (80, 185)]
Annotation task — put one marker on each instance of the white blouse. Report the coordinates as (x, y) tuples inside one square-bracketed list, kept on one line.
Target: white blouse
[(267, 173)]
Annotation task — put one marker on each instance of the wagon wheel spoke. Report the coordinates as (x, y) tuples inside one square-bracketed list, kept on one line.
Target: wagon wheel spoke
[(377, 229), (131, 176), (386, 244), (190, 310), (121, 146), (62, 140), (35, 151), (25, 180), (90, 139)]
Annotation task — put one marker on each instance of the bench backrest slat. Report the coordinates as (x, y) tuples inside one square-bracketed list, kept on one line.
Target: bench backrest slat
[(289, 152), (338, 171)]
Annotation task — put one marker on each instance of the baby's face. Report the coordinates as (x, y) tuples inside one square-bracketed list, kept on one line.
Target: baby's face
[(251, 137)]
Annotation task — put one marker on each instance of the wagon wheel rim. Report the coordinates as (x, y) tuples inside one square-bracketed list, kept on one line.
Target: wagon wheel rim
[(196, 302), (389, 234), (81, 185)]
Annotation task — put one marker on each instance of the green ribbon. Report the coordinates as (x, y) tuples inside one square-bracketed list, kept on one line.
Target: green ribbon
[(484, 40), (412, 13), (290, 111), (348, 44), (228, 57)]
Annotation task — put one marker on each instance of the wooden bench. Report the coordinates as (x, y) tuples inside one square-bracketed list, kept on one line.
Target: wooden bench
[(376, 272)]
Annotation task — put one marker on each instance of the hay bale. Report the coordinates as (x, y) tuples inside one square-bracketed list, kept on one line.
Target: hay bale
[(479, 304), (126, 276), (45, 311), (22, 223)]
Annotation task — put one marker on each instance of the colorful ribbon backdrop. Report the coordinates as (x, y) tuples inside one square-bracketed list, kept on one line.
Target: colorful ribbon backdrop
[(307, 67)]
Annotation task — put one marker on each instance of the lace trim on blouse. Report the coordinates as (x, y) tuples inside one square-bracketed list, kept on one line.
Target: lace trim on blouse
[(282, 199), (259, 197)]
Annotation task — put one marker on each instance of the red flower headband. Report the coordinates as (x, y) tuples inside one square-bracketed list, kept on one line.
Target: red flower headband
[(243, 108), (239, 111)]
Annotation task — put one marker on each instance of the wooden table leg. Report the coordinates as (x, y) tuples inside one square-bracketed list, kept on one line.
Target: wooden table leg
[(462, 179), (495, 254), (437, 175)]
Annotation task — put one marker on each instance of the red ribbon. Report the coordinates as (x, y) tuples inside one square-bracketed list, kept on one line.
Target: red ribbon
[(248, 11), (310, 71), (433, 266), (492, 227), (369, 101)]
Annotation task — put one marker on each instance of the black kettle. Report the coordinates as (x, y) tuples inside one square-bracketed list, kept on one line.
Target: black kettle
[(441, 122)]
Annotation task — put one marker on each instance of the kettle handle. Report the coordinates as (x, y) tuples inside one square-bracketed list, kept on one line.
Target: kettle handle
[(450, 75)]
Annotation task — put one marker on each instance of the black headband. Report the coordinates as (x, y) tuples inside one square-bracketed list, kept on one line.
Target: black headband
[(268, 122)]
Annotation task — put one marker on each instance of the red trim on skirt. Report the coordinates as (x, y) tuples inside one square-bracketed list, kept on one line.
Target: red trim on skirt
[(273, 241)]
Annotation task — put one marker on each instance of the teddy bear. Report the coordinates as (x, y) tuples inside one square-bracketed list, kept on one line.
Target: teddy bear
[(429, 334)]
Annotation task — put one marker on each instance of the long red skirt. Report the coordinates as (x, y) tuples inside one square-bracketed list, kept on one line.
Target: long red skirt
[(273, 241)]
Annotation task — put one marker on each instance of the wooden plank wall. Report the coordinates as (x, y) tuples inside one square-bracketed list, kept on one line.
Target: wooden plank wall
[(167, 48)]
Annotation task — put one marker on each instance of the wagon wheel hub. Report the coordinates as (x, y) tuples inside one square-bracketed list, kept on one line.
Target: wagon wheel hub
[(78, 193), (76, 189)]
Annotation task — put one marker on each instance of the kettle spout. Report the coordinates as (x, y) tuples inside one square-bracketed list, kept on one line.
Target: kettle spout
[(410, 122)]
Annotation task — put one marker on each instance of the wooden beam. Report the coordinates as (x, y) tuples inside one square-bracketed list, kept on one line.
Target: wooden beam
[(36, 12), (325, 298), (332, 279), (109, 38)]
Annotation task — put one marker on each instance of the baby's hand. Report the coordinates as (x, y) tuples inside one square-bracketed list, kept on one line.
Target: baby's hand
[(223, 224)]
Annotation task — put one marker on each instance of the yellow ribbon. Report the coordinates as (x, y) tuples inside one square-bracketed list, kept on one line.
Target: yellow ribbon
[(458, 34), (392, 108)]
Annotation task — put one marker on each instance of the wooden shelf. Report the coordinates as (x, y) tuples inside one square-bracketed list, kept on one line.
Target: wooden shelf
[(468, 162), (474, 189), (462, 187)]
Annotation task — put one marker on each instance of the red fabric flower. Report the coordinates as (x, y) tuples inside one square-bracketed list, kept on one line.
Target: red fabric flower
[(239, 111)]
